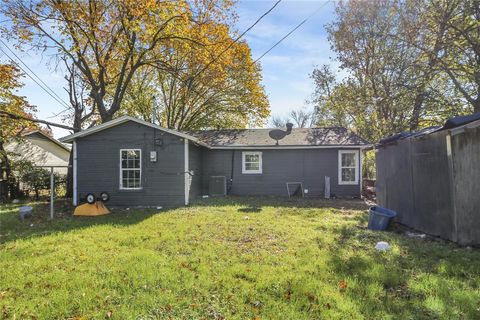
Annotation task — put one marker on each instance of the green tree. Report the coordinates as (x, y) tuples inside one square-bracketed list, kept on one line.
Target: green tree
[(392, 83), (455, 26), (11, 104)]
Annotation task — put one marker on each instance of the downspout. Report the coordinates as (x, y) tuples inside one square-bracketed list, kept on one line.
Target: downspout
[(360, 178), (186, 173), (231, 173), (75, 189)]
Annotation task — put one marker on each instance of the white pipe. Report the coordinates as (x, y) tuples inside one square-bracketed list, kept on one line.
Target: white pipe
[(75, 192), (187, 175), (52, 190)]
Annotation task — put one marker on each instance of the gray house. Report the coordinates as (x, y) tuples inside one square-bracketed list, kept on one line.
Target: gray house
[(141, 164)]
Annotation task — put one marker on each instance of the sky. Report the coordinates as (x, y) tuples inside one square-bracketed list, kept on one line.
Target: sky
[(285, 69)]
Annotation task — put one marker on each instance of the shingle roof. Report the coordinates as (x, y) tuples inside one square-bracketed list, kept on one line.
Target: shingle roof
[(301, 137), (246, 138), (461, 120), (451, 123)]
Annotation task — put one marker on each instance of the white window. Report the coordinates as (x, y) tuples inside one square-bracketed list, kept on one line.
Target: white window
[(130, 169), (251, 162), (348, 167)]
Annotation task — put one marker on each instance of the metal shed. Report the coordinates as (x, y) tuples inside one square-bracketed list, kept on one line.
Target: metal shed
[(431, 178)]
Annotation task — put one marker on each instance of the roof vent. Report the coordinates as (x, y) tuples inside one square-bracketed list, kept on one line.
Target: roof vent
[(289, 127)]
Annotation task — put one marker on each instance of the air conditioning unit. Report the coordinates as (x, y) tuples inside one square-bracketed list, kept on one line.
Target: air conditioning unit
[(217, 186)]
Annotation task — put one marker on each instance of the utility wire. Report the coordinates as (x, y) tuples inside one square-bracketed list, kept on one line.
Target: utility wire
[(203, 95), (292, 31), (48, 90), (46, 85), (236, 39)]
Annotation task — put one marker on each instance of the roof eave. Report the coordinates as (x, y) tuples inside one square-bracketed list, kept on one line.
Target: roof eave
[(123, 119), (275, 147), (462, 128)]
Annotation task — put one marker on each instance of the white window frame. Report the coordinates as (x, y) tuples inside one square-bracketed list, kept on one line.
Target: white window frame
[(120, 167), (356, 167), (260, 167)]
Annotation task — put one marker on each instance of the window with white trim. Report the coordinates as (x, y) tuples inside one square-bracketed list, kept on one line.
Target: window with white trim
[(348, 167), (130, 169), (251, 162)]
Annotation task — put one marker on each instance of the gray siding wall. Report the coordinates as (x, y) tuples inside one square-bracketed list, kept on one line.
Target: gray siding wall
[(279, 166), (98, 166)]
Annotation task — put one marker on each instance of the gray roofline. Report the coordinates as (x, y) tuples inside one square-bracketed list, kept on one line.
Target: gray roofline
[(290, 147), (123, 119), (462, 128)]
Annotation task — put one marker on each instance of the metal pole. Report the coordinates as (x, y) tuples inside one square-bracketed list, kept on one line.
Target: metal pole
[(52, 190)]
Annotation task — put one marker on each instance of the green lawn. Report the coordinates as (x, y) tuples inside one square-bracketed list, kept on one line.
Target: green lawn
[(233, 258)]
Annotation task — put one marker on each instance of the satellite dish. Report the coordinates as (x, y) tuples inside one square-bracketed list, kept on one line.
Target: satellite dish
[(277, 134)]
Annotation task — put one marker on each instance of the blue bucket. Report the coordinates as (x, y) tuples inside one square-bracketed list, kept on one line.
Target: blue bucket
[(379, 218)]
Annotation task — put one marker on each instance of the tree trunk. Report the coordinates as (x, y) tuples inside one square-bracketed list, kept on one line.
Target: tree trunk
[(3, 174), (69, 191), (5, 171), (476, 105), (417, 108), (77, 124)]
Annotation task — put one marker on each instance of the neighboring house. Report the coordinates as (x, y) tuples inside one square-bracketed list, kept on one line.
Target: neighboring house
[(41, 150), (431, 178), (142, 164)]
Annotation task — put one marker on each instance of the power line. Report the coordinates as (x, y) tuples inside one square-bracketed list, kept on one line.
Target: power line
[(203, 95), (292, 31), (50, 91), (236, 39)]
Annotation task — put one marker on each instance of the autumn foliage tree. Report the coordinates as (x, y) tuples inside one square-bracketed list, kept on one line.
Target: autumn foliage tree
[(107, 41), (14, 104), (213, 85), (111, 43), (398, 69)]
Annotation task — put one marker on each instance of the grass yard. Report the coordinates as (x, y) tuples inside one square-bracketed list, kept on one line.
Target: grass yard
[(232, 258)]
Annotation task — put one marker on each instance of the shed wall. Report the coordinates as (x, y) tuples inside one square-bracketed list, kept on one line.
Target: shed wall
[(466, 164), (431, 185), (394, 181), (413, 178)]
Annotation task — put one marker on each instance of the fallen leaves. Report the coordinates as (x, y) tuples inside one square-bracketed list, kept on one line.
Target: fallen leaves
[(342, 285), (288, 294)]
